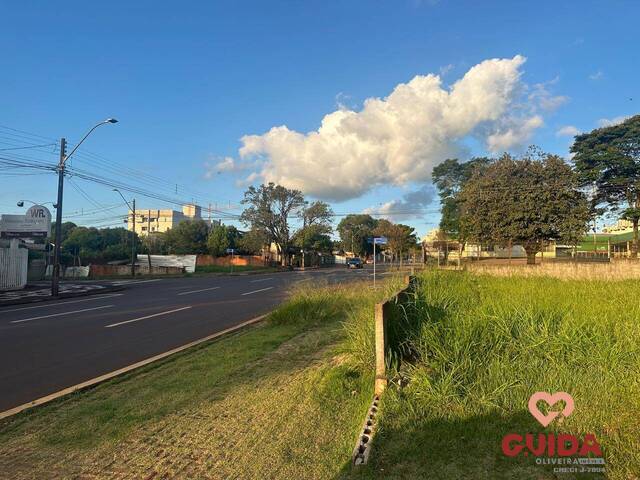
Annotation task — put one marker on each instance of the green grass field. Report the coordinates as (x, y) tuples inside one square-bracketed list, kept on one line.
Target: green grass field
[(480, 346)]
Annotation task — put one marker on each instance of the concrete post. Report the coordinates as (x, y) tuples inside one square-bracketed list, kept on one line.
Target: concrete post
[(381, 377)]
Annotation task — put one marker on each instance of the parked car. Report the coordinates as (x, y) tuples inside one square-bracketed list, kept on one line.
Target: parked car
[(354, 263)]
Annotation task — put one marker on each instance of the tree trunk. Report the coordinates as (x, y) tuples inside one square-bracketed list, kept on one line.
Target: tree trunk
[(531, 251), (531, 258), (634, 244)]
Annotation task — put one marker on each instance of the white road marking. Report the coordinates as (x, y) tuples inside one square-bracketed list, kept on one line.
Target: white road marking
[(201, 290), (147, 316), (261, 280), (63, 313), (133, 282), (97, 297), (256, 291)]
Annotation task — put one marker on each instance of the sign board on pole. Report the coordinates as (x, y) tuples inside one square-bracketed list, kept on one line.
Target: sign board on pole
[(35, 223), (231, 250), (380, 240)]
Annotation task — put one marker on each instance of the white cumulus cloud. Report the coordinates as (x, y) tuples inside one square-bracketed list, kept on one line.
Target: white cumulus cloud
[(567, 131), (398, 139), (610, 122), (411, 205)]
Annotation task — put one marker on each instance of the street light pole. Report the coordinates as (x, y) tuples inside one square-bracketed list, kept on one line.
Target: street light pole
[(55, 277)]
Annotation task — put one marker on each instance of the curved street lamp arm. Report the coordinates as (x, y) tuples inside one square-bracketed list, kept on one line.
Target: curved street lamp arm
[(125, 200), (108, 120)]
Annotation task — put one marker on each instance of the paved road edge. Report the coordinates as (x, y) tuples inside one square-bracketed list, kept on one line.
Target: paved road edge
[(108, 376)]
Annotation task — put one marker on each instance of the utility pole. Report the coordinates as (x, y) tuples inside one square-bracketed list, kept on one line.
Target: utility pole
[(55, 278), (149, 239), (133, 241)]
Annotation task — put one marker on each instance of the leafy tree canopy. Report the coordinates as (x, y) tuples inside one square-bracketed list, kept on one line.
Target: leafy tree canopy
[(449, 177), (269, 209), (608, 159), (354, 230), (400, 238), (188, 237), (528, 201)]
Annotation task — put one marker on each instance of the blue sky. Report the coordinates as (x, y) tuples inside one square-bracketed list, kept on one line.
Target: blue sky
[(188, 80)]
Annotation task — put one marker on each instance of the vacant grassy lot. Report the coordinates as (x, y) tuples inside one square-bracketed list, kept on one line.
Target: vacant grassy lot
[(281, 400), (481, 345)]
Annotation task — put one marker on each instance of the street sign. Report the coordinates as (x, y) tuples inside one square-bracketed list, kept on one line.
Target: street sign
[(35, 223), (231, 250), (380, 240)]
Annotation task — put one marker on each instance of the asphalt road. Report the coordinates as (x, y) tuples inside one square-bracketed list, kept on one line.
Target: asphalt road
[(49, 346)]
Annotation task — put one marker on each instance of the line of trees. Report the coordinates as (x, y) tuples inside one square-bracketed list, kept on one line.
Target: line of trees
[(357, 230), (539, 197), (83, 245), (529, 200)]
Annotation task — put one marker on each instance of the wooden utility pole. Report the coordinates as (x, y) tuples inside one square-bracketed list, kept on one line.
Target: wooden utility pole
[(55, 275), (149, 239)]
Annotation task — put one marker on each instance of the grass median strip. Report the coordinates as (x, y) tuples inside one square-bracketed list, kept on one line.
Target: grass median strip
[(283, 399)]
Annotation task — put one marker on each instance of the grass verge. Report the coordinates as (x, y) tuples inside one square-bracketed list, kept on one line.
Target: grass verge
[(284, 400)]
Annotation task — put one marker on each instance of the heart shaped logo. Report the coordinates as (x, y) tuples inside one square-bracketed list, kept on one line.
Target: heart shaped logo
[(551, 400)]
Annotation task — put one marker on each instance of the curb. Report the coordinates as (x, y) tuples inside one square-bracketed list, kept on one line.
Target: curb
[(108, 376), (62, 296)]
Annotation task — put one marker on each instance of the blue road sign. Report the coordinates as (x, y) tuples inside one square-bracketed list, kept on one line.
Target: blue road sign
[(380, 240)]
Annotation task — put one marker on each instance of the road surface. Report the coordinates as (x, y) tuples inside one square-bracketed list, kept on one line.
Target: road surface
[(49, 346)]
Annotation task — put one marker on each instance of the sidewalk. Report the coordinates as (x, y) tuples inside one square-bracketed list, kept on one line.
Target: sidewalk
[(41, 291)]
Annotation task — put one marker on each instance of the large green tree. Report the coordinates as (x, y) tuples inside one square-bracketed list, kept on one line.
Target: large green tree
[(269, 209), (92, 245), (354, 230), (253, 242), (188, 237), (400, 238), (218, 241), (449, 177), (528, 201), (609, 160), (316, 227)]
